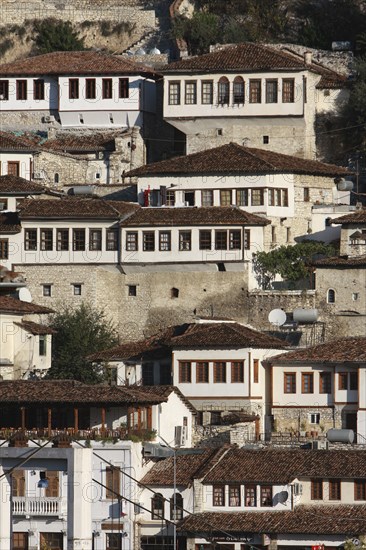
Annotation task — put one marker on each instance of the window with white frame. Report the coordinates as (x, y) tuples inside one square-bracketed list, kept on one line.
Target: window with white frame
[(207, 92), (185, 240), (314, 418), (174, 93), (191, 92)]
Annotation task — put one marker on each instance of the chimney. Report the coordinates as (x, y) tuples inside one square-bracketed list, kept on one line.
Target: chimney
[(308, 57)]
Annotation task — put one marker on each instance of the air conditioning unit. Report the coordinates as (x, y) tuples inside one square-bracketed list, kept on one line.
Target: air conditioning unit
[(156, 450), (138, 507), (38, 175), (180, 436), (49, 118), (297, 489)]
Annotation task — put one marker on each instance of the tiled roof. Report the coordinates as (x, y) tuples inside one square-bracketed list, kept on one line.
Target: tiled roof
[(355, 217), (75, 63), (188, 467), (70, 207), (70, 391), (8, 304), (341, 350), (97, 141), (194, 335), (14, 185), (317, 520), (36, 328), (210, 215), (12, 142), (9, 222), (233, 158), (225, 335), (341, 261)]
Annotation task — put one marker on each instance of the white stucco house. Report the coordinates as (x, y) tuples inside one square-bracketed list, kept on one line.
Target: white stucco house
[(298, 195), (252, 94), (76, 89)]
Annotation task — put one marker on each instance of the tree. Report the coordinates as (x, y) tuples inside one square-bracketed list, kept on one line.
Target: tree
[(199, 32), (54, 35), (79, 333), (291, 263)]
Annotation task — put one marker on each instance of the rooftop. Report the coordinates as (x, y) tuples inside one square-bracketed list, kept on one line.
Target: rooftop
[(15, 185), (8, 304), (9, 222), (357, 217), (248, 57), (80, 208), (341, 262), (233, 158), (212, 215), (342, 350), (75, 63)]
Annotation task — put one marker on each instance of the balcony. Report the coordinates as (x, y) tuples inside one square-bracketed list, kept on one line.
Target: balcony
[(45, 506)]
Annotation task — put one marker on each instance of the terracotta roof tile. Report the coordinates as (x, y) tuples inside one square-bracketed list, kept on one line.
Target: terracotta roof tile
[(233, 158), (211, 215), (70, 207), (355, 217), (75, 63), (9, 222), (341, 262), (13, 305), (317, 520), (70, 391), (97, 141), (12, 142), (36, 328), (342, 350), (14, 185)]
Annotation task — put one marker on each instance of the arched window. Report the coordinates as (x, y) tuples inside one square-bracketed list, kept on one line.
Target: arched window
[(223, 91), (56, 178), (178, 512), (238, 90), (157, 506), (331, 296)]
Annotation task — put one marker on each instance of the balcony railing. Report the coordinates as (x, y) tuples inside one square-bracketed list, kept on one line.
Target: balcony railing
[(46, 506)]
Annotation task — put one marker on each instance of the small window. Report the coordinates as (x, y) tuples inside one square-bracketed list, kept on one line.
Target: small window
[(76, 289), (30, 239), (218, 494), (20, 541), (95, 239), (288, 90), (38, 89), (42, 345), (238, 90), (170, 198), (266, 495), (307, 382), (185, 371), (73, 88), (220, 240), (112, 239), (360, 489), (165, 241), (257, 197), (4, 90), (306, 194), (226, 197), (255, 91), (132, 290), (223, 91), (220, 131), (237, 371), (314, 418), (46, 239), (56, 178), (235, 239), (265, 140), (174, 93), (113, 541), (234, 495), (325, 382), (271, 91), (190, 93), (242, 197), (78, 239), (21, 89), (174, 292), (107, 88), (81, 118), (90, 88), (202, 372), (355, 296), (123, 88), (290, 382), (207, 92), (316, 489), (189, 198), (62, 239), (342, 381), (219, 369), (148, 241), (132, 241), (334, 489), (185, 240), (331, 296), (47, 290), (207, 197), (176, 512), (250, 495)]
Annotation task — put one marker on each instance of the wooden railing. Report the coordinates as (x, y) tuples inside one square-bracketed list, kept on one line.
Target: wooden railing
[(91, 433)]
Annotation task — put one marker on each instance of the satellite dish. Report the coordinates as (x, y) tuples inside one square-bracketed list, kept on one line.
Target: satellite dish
[(154, 51), (140, 51), (277, 317), (25, 295)]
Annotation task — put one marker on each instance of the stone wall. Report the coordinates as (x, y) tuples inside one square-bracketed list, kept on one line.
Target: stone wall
[(221, 294), (296, 419)]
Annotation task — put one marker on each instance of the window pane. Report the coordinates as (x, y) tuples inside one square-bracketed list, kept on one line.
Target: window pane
[(174, 93), (290, 382), (242, 197), (220, 372), (234, 495), (207, 197), (202, 372), (250, 495), (266, 495), (288, 90), (62, 236), (123, 88), (225, 197), (271, 91), (184, 240), (223, 91), (205, 240), (131, 241), (218, 496), (90, 88), (164, 241), (107, 88), (112, 239), (95, 239), (257, 197), (185, 371), (325, 382), (191, 93), (221, 240), (255, 92), (307, 380), (235, 239), (79, 239), (207, 92), (148, 238), (237, 371), (238, 90)]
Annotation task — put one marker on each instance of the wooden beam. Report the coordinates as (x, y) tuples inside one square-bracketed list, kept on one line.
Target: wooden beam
[(49, 421), (22, 411), (76, 419)]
